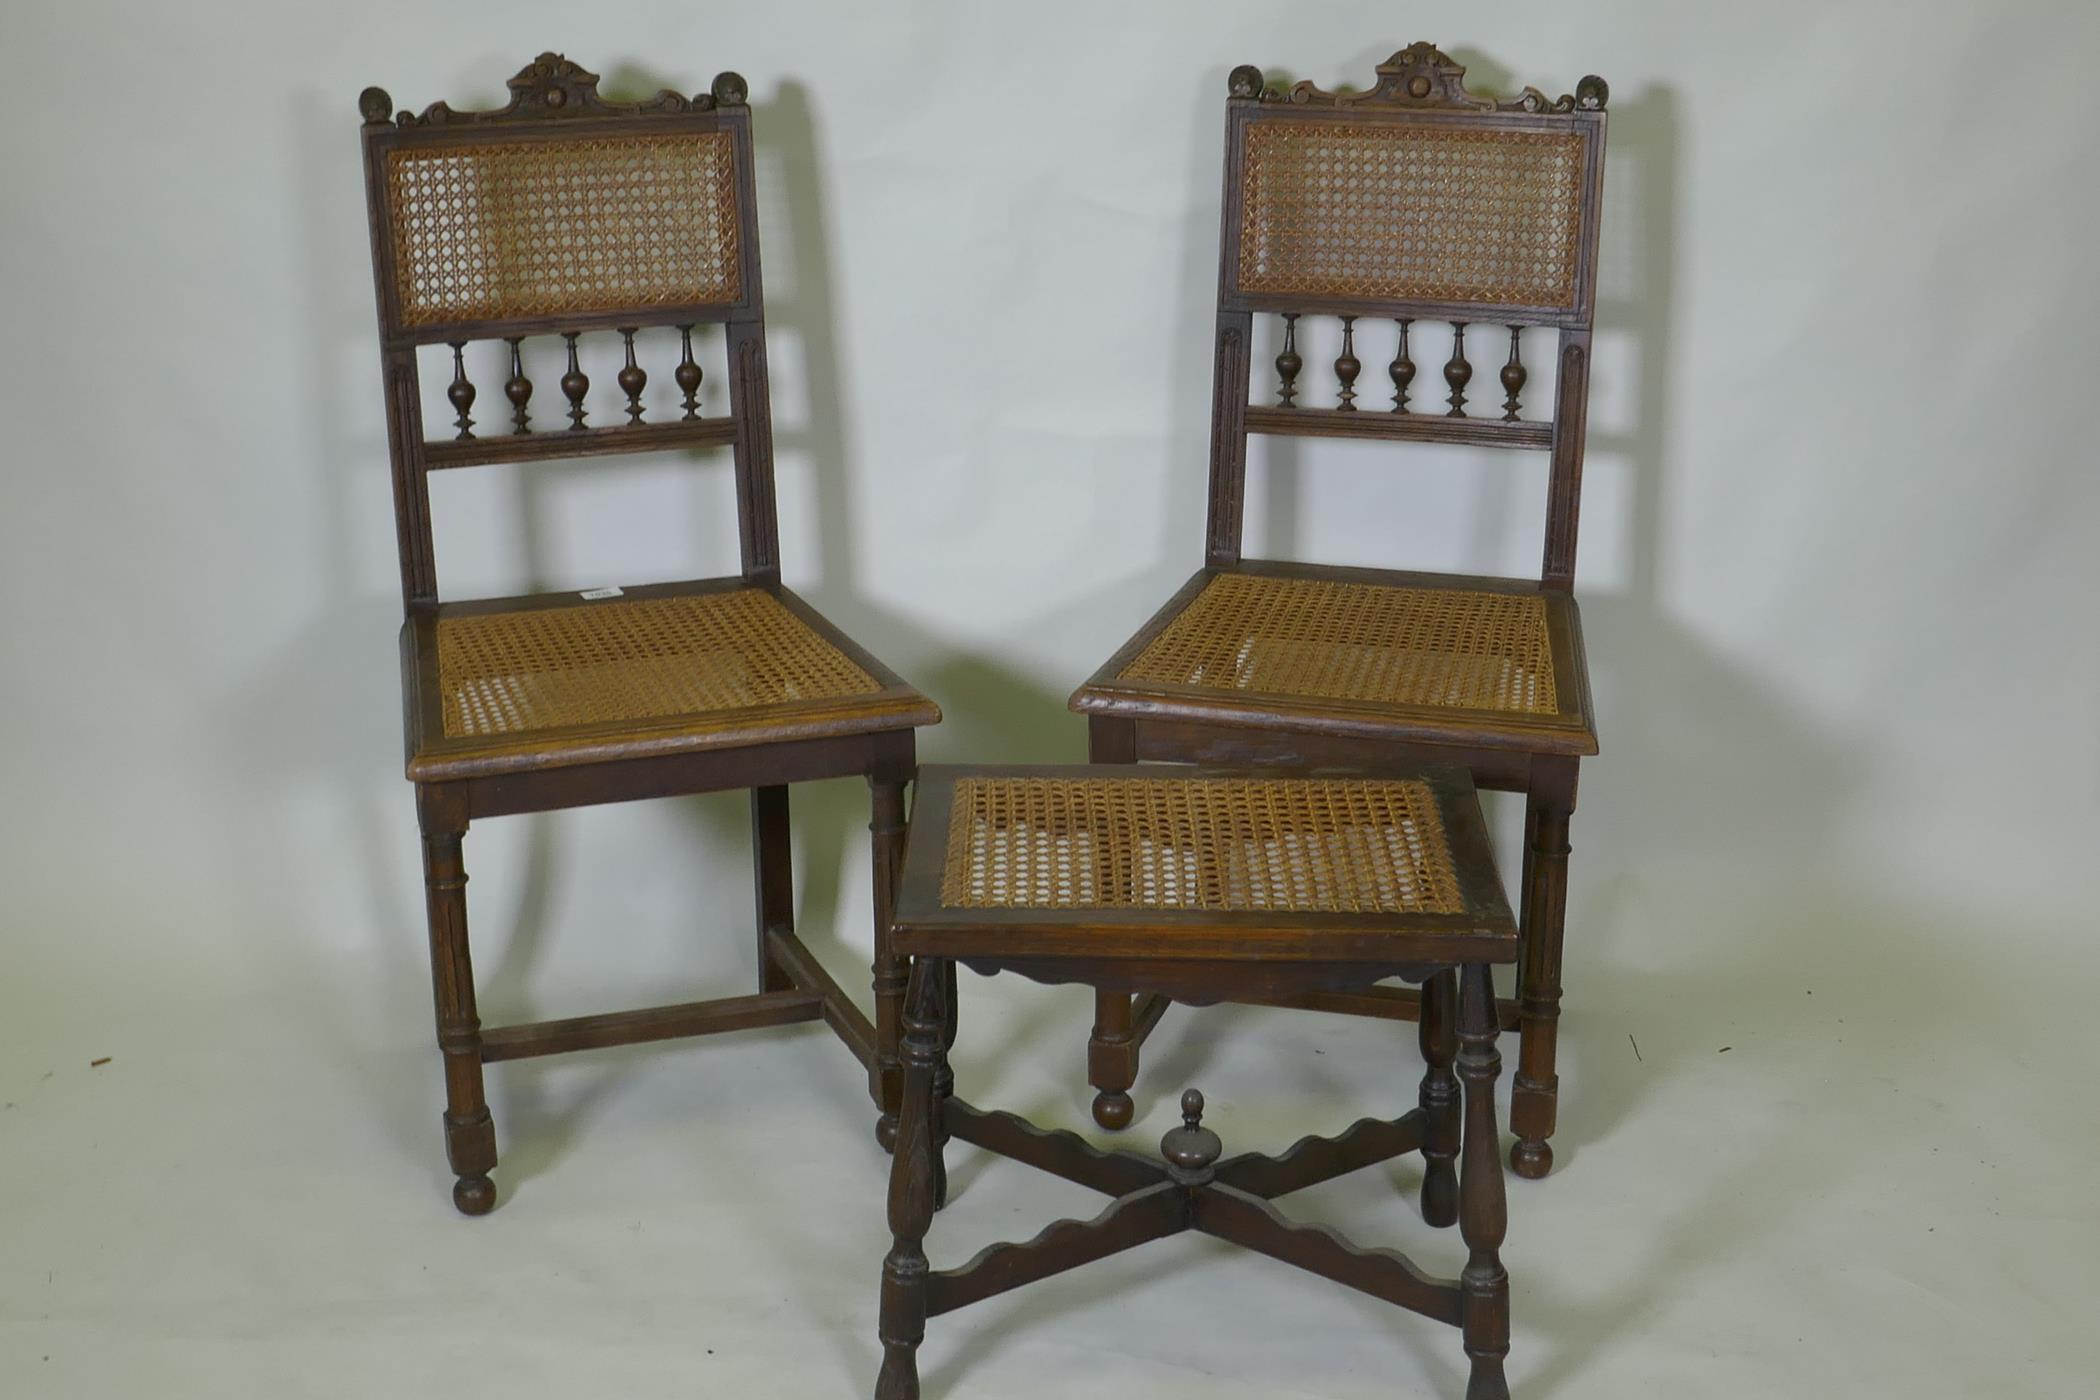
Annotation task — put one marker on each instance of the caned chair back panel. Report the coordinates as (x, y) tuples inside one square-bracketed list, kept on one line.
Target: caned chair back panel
[(1400, 213), (566, 214), (1413, 201), (608, 224)]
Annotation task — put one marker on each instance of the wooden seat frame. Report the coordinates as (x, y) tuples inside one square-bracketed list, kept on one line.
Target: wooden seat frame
[(1131, 723), (555, 101)]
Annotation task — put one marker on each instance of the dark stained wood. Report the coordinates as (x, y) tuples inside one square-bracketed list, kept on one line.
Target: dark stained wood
[(1513, 375), (772, 880), (1051, 1150), (462, 778), (574, 384), (461, 391), (1400, 427), (1483, 1215), (1138, 1218), (579, 442), (1194, 1186), (1288, 361), (517, 388), (1458, 370), (1313, 1159), (1402, 369), (1347, 367), (1253, 1223), (653, 1023), (688, 374), (1131, 722), (632, 378), (915, 1187), (1439, 1099)]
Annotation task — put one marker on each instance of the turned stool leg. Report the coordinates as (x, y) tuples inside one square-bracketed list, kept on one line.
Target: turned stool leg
[(773, 873), (1536, 1089), (1483, 1212), (1112, 1059), (944, 1082), (915, 1186), (1439, 1100), (885, 1078), (470, 1134)]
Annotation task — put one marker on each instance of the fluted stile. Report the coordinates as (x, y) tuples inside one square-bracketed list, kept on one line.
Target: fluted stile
[(462, 391), (1347, 366), (518, 389), (1513, 376), (575, 384), (1458, 370), (632, 379), (1402, 368), (688, 373), (1289, 362)]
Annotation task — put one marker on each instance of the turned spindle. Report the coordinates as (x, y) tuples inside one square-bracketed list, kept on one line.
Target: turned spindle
[(1457, 370), (575, 384), (462, 391), (518, 389), (688, 373), (1288, 363), (1513, 377), (1402, 368), (632, 378), (1347, 366)]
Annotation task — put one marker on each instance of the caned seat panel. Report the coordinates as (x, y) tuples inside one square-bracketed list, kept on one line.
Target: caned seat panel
[(1374, 653), (1209, 844), (681, 667)]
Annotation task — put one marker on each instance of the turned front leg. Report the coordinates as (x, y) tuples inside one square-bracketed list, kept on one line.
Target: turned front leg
[(1483, 1212), (886, 830), (1112, 1058), (470, 1133), (916, 1184), (1535, 1094), (1439, 1099)]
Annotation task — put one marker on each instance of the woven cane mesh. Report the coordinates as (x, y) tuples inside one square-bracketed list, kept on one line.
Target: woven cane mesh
[(633, 660), (1208, 844), (1358, 641), (1411, 212), (563, 227)]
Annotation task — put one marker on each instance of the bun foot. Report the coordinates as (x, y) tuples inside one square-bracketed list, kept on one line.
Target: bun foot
[(1113, 1110), (1531, 1158), (474, 1195)]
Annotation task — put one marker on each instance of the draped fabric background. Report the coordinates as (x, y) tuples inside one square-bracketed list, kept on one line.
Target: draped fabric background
[(1827, 1099)]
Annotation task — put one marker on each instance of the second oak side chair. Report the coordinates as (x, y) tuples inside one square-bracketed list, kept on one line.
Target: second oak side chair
[(566, 214), (1415, 201)]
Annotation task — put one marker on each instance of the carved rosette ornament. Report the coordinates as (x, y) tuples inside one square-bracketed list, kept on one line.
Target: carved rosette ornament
[(551, 87), (1421, 76)]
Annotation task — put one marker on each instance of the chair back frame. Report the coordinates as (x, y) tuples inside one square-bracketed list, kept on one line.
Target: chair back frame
[(555, 109), (1420, 94)]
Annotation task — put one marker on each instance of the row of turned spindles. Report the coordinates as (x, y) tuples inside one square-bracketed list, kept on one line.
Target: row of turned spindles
[(1458, 370), (632, 379)]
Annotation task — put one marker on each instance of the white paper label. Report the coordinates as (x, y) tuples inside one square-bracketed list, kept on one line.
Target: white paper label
[(593, 594)]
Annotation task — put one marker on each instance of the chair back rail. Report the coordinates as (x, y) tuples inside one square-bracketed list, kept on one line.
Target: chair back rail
[(563, 215), (1412, 202)]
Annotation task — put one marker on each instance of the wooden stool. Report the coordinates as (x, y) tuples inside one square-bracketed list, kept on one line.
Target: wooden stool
[(1204, 885)]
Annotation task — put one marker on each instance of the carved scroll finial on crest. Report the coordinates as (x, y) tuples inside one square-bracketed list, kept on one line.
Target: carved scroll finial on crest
[(552, 87), (1424, 76)]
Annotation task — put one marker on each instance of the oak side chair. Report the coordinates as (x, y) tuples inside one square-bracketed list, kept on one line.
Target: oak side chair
[(566, 214), (1412, 201)]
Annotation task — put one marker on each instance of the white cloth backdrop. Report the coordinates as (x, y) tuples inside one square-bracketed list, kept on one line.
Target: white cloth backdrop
[(1838, 572)]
